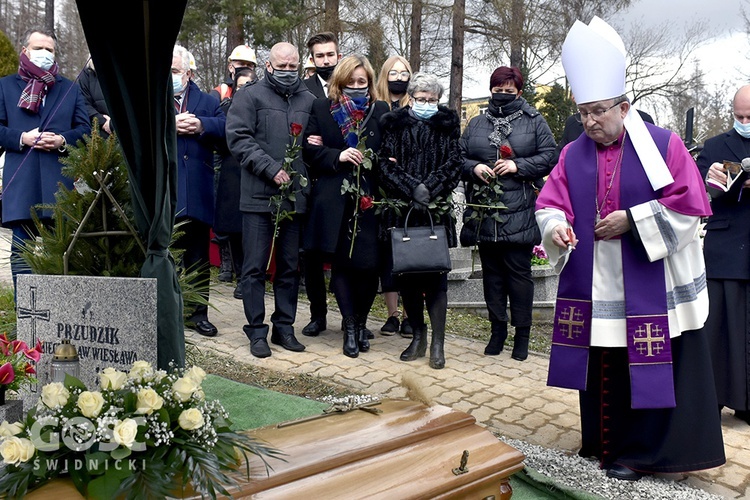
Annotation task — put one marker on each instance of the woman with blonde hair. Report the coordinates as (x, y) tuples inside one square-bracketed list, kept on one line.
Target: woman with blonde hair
[(393, 81), (392, 84), (340, 228)]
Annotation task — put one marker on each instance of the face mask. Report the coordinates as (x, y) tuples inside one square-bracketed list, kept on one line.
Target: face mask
[(354, 92), (325, 72), (286, 78), (177, 85), (742, 128), (500, 99), (424, 111), (398, 87), (41, 58)]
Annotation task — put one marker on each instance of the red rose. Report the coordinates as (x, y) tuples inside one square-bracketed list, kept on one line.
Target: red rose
[(296, 129), (506, 151), (365, 203), (358, 115)]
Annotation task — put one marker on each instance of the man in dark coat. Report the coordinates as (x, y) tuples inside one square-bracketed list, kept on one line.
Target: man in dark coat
[(95, 103), (200, 131), (41, 112), (728, 261), (258, 135), (324, 51)]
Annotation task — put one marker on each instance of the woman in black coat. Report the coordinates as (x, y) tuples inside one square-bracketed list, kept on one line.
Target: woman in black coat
[(227, 216), (337, 227), (512, 144), (421, 164)]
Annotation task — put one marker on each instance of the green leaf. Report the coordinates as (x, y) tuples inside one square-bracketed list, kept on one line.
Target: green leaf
[(367, 163), (96, 463), (303, 181), (104, 487), (72, 382), (120, 453)]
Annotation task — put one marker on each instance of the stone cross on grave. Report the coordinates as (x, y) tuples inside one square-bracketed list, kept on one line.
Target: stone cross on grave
[(653, 343), (572, 322), (33, 314)]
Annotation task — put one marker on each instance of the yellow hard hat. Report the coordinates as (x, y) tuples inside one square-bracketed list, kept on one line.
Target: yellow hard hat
[(309, 64), (243, 53), (193, 67)]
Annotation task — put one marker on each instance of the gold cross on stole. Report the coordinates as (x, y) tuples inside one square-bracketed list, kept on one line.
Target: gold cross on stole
[(648, 342), (571, 320)]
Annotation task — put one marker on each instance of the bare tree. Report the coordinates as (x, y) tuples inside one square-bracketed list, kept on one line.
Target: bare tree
[(659, 62), (415, 40), (49, 15), (457, 55), (332, 22)]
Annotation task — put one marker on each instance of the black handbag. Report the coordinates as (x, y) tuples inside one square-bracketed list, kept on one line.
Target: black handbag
[(420, 249)]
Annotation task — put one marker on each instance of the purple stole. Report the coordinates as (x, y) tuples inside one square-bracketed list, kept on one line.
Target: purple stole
[(649, 352)]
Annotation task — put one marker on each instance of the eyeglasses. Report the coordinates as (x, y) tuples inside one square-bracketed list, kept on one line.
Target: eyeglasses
[(596, 114), (423, 101), (403, 74)]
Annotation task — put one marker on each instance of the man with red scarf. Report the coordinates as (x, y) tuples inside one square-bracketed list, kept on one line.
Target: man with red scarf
[(41, 112), (619, 217)]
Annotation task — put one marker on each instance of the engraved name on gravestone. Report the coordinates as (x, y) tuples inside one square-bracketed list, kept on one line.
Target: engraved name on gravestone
[(111, 321)]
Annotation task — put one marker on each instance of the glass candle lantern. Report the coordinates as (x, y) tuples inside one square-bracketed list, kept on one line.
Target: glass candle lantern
[(64, 361)]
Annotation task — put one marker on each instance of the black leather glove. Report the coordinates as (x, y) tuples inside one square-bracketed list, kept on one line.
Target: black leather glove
[(421, 197)]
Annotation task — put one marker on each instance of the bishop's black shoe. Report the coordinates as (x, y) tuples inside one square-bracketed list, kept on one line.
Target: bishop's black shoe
[(623, 473)]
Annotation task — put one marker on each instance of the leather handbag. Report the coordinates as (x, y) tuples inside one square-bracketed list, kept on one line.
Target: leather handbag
[(420, 249)]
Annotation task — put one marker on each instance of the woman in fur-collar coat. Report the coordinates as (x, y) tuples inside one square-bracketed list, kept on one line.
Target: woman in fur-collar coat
[(421, 165)]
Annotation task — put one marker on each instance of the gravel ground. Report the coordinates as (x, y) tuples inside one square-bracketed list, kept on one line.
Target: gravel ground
[(584, 474)]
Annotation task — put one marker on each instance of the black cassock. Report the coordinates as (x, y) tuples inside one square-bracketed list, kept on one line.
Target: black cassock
[(685, 438)]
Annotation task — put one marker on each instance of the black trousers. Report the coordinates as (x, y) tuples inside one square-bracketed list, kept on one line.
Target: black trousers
[(506, 273), (315, 284), (257, 236), (195, 242)]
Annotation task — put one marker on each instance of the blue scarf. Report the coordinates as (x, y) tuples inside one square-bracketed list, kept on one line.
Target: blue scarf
[(343, 112)]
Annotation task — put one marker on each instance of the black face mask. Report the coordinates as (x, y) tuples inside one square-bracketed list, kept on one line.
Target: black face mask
[(500, 99), (398, 87), (325, 72)]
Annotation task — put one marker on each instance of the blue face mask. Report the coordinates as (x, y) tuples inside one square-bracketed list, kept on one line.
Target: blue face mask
[(424, 111), (177, 85), (41, 58), (742, 128)]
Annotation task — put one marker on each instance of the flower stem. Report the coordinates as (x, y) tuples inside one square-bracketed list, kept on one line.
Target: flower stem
[(273, 240)]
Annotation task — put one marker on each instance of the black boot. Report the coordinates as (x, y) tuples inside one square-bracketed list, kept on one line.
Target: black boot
[(418, 346), (497, 340), (351, 347), (437, 308), (437, 357), (521, 343), (227, 265), (362, 337)]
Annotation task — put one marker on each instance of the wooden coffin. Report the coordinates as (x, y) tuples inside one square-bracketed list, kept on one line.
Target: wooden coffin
[(407, 451)]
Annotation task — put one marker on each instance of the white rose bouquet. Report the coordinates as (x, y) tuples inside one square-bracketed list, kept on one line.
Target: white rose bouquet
[(144, 433)]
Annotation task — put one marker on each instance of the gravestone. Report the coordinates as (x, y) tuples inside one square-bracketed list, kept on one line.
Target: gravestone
[(110, 321)]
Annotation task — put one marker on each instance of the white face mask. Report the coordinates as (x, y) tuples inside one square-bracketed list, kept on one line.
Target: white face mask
[(41, 58)]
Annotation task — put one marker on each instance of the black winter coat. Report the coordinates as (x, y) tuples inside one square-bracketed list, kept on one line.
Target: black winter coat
[(426, 152), (92, 93), (728, 229), (330, 214), (534, 147)]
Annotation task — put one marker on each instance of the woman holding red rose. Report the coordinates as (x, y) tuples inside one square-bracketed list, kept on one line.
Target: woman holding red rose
[(512, 142), (341, 226)]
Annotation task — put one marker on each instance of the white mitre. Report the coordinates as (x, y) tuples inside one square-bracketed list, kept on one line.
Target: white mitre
[(594, 58)]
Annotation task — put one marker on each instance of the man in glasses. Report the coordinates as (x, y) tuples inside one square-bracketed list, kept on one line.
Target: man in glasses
[(619, 217)]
